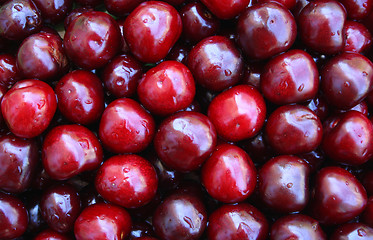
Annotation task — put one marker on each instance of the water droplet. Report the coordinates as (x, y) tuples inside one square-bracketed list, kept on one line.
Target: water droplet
[(41, 104), (189, 222), (69, 91), (272, 21), (115, 135), (119, 83), (301, 87), (18, 7), (347, 84), (88, 101), (365, 74), (361, 232), (126, 170), (228, 72), (284, 84), (347, 183), (159, 83), (289, 185), (145, 20), (333, 33)]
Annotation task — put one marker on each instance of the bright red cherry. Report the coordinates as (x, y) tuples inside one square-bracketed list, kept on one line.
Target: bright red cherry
[(151, 30), (238, 113), (127, 180), (352, 231), (226, 9), (28, 107), (49, 234)]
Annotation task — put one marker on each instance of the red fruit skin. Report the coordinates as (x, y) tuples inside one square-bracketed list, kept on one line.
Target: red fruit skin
[(10, 73), (357, 37), (368, 213), (352, 231), (226, 9), (49, 234), (28, 107), (357, 9)]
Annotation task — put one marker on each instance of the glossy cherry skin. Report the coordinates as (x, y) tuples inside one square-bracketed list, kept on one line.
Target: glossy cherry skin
[(151, 30), (368, 213), (181, 216), (229, 174), (297, 226), (127, 180), (241, 221), (357, 37), (283, 184), (18, 160), (352, 231), (13, 217), (347, 79), (226, 9), (49, 234), (321, 26), (28, 107), (19, 19), (289, 4), (31, 200), (266, 29), (185, 140), (80, 97), (216, 63), (74, 14), (102, 221), (198, 22), (42, 56), (60, 206), (122, 75), (54, 11), (357, 9), (9, 73), (293, 129), (252, 73), (362, 107), (121, 8), (69, 150), (238, 113), (126, 127), (92, 39), (338, 196), (291, 77), (319, 106), (166, 88), (179, 53), (348, 138)]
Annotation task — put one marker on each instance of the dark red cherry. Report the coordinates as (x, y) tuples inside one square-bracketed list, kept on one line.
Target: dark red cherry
[(175, 2), (266, 29), (13, 217), (74, 14), (293, 129), (54, 11), (36, 223), (9, 73), (319, 106), (347, 79), (151, 30), (121, 8), (92, 39), (357, 37), (125, 48), (28, 107), (127, 180), (60, 206), (338, 196), (361, 107), (321, 26), (229, 174), (226, 9), (357, 9), (289, 4), (241, 221), (166, 88), (179, 53), (297, 226), (42, 56), (252, 73), (18, 160), (141, 229), (80, 97), (102, 221), (216, 63), (49, 234), (181, 216), (238, 113), (259, 149), (126, 127), (368, 213), (291, 77), (122, 75), (19, 19), (89, 3), (367, 181), (352, 231), (69, 150)]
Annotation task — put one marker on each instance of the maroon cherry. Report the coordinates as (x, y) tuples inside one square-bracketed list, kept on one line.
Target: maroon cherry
[(293, 129), (297, 226), (357, 9), (179, 53), (151, 30), (69, 150), (266, 29), (49, 234), (368, 213), (126, 127), (338, 196), (357, 37), (289, 4), (80, 97), (352, 231), (28, 107), (166, 88), (92, 39), (319, 106), (229, 174), (181, 216), (121, 8), (226, 9), (127, 180), (55, 11), (74, 14), (291, 77), (36, 223), (361, 107), (238, 113), (241, 221), (102, 221), (9, 72), (89, 3), (216, 63)]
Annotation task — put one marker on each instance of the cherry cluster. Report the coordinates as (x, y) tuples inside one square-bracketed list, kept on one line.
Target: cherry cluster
[(186, 119)]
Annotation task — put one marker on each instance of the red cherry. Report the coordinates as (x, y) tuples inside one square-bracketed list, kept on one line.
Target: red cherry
[(121, 8), (352, 231), (289, 4), (357, 37), (357, 9), (226, 9), (10, 73), (54, 12), (50, 235), (368, 213)]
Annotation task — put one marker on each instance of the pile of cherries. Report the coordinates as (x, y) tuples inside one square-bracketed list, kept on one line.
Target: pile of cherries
[(186, 120)]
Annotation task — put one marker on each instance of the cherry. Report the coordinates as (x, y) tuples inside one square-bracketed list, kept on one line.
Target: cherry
[(259, 149), (357, 10), (291, 77), (357, 37), (266, 29), (226, 9), (102, 221), (215, 63), (31, 201), (127, 180), (361, 107), (74, 14), (166, 88), (92, 39), (238, 113), (319, 106), (10, 73), (49, 234), (241, 221), (368, 213), (126, 127), (121, 8), (179, 53), (141, 229), (54, 12), (352, 231), (289, 4), (151, 30), (89, 3), (80, 97), (28, 107), (252, 73), (367, 181)]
